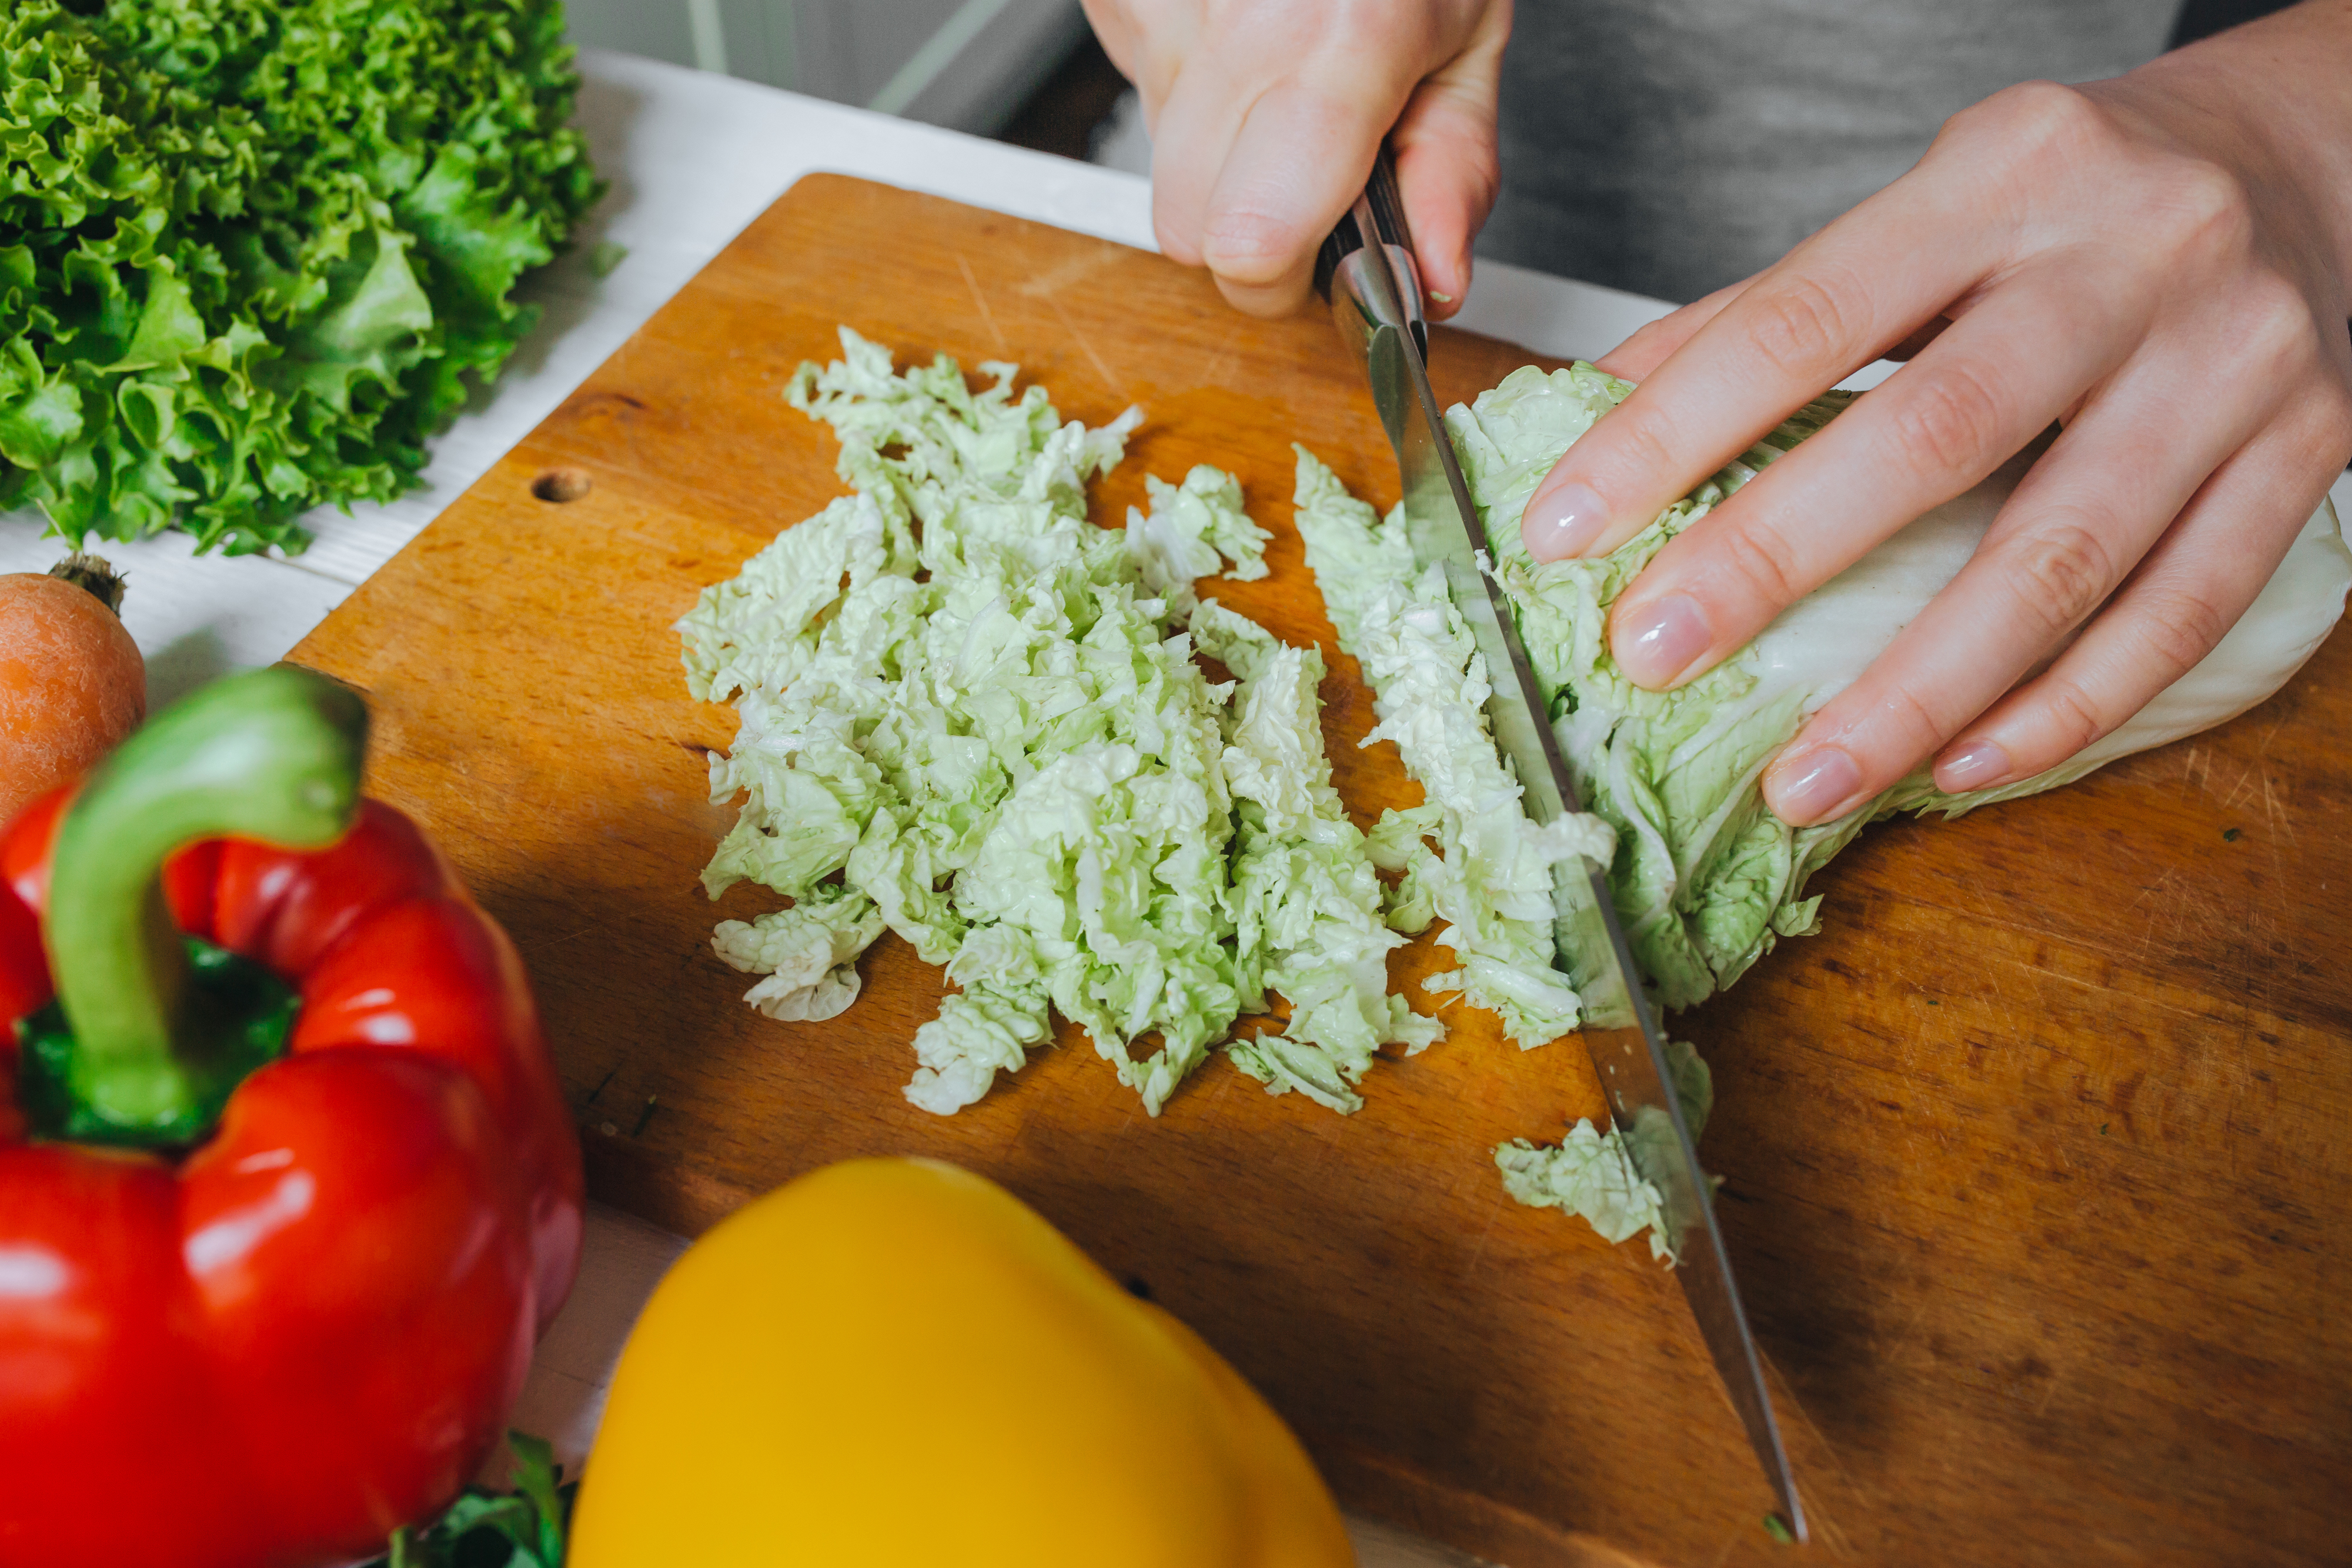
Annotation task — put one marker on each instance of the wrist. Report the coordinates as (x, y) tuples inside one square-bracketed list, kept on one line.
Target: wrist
[(2272, 101)]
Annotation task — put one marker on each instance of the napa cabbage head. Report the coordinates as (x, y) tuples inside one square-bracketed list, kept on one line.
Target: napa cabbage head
[(1705, 876)]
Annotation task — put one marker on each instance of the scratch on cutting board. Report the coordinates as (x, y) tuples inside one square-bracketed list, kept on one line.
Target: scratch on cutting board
[(1079, 268), (1478, 1249), (2194, 770), (2274, 811), (538, 947), (2165, 885), (1215, 374), (995, 335), (2081, 984), (2243, 788), (1086, 347)]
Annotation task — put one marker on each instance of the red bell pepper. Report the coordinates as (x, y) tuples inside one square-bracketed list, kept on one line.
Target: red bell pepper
[(257, 1316)]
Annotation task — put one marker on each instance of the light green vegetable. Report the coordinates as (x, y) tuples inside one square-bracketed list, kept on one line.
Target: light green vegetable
[(1189, 528), (971, 716), (1304, 901), (1490, 877), (1590, 1175)]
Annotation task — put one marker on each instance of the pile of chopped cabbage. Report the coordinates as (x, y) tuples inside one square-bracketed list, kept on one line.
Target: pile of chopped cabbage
[(971, 716)]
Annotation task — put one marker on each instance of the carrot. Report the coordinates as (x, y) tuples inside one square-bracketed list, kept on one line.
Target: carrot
[(71, 682)]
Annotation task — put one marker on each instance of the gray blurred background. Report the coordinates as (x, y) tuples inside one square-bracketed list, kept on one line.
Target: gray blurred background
[(1024, 71), (969, 64)]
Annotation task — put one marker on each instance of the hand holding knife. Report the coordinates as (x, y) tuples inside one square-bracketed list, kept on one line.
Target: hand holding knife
[(1368, 273)]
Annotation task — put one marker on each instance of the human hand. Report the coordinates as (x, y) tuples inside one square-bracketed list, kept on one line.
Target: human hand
[(2156, 263), (1266, 116)]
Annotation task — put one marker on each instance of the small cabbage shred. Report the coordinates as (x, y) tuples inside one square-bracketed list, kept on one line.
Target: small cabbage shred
[(973, 717), (1704, 876)]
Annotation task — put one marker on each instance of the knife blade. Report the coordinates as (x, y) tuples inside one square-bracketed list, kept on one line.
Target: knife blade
[(1369, 274)]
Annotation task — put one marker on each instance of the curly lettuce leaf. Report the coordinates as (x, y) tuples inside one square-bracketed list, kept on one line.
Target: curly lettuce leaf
[(259, 248)]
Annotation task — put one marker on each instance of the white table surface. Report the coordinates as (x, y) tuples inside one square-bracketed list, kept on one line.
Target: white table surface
[(692, 159)]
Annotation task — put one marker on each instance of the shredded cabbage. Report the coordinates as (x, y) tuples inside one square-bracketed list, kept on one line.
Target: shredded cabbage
[(971, 717), (1490, 877)]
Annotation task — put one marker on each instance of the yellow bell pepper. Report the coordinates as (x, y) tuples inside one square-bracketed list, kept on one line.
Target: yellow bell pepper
[(895, 1363)]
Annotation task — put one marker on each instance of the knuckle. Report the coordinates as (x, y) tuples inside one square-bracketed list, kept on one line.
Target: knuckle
[(1250, 247), (2176, 628), (1801, 322), (2281, 331), (2035, 122), (1765, 562), (2060, 572), (1953, 419), (1903, 713), (2201, 205), (2071, 717)]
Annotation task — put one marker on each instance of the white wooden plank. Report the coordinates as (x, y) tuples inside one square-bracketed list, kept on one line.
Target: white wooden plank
[(193, 617)]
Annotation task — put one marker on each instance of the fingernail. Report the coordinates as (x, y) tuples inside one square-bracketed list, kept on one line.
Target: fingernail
[(1978, 766), (1661, 641), (1825, 778), (1561, 523)]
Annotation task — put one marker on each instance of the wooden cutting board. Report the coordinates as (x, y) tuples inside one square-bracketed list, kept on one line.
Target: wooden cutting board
[(2036, 1162)]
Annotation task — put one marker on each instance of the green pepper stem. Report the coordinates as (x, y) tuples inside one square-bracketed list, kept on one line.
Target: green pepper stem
[(270, 754)]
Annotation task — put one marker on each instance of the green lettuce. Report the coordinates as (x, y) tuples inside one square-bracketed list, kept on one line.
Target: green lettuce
[(1588, 1173), (256, 250)]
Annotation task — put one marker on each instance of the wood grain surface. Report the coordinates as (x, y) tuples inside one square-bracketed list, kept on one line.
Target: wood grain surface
[(2035, 1159)]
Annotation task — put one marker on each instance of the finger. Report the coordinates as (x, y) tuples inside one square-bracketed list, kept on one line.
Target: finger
[(1197, 121), (1935, 428), (1265, 139), (1447, 174), (1840, 300), (1911, 347), (1653, 343), (1299, 163), (1447, 168), (2191, 589), (2082, 518), (1120, 41)]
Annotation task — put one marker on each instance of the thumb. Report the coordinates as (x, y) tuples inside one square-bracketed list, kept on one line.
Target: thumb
[(1298, 162)]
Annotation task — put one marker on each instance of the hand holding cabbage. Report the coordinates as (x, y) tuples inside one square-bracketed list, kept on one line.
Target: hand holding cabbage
[(2159, 263)]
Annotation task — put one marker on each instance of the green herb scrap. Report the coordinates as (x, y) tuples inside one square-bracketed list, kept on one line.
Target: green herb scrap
[(250, 249), (519, 1529)]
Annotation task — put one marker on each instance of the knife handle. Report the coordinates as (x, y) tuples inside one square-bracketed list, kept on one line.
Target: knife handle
[(1387, 204)]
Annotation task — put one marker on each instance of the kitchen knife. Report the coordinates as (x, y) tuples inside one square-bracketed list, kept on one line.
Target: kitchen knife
[(1368, 272)]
